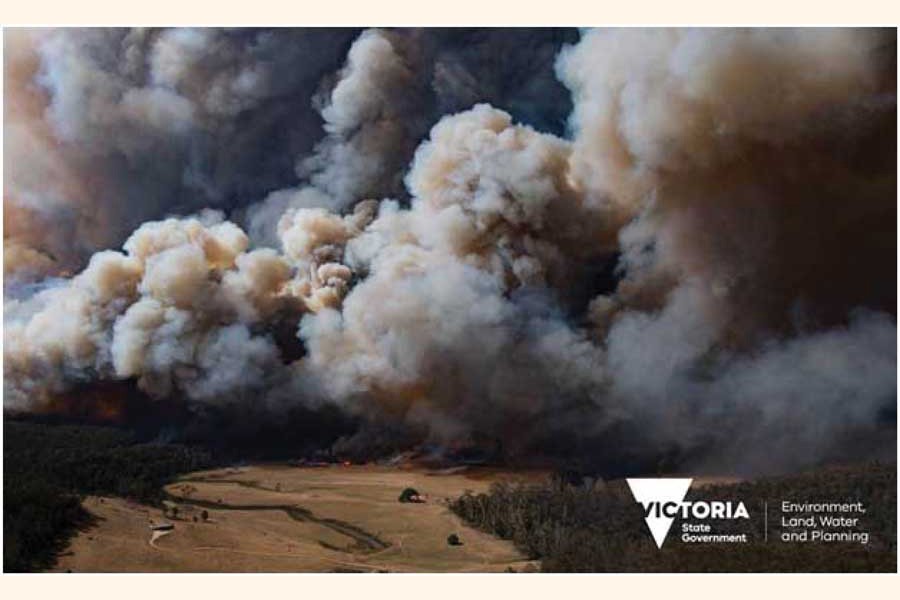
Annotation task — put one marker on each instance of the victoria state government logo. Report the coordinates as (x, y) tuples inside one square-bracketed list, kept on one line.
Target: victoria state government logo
[(663, 500)]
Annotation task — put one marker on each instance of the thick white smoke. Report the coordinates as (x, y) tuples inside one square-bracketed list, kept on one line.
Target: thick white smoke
[(482, 226), (743, 181), (371, 122), (173, 311), (744, 154)]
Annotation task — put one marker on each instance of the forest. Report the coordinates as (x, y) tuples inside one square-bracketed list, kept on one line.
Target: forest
[(596, 526), (47, 468)]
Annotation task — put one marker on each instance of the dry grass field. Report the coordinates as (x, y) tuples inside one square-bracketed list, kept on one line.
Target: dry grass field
[(278, 518)]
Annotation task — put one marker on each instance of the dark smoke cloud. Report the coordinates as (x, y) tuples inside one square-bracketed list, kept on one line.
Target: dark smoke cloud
[(699, 268), (392, 88), (107, 128)]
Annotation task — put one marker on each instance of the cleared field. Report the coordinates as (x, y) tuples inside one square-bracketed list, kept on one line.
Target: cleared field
[(274, 518)]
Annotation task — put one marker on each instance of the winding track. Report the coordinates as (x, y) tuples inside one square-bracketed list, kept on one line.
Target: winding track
[(363, 541)]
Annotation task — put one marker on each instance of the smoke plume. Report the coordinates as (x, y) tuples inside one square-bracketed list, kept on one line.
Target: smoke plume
[(699, 267)]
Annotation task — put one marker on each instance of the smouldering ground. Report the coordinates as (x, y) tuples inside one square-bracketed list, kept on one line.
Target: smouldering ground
[(277, 518)]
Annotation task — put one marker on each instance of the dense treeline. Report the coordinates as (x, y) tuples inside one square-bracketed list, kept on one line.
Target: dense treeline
[(46, 468), (598, 527), (38, 519)]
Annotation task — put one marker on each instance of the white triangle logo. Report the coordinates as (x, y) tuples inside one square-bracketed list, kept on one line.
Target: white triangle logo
[(653, 493)]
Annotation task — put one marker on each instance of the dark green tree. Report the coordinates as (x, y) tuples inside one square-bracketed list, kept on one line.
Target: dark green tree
[(408, 494)]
